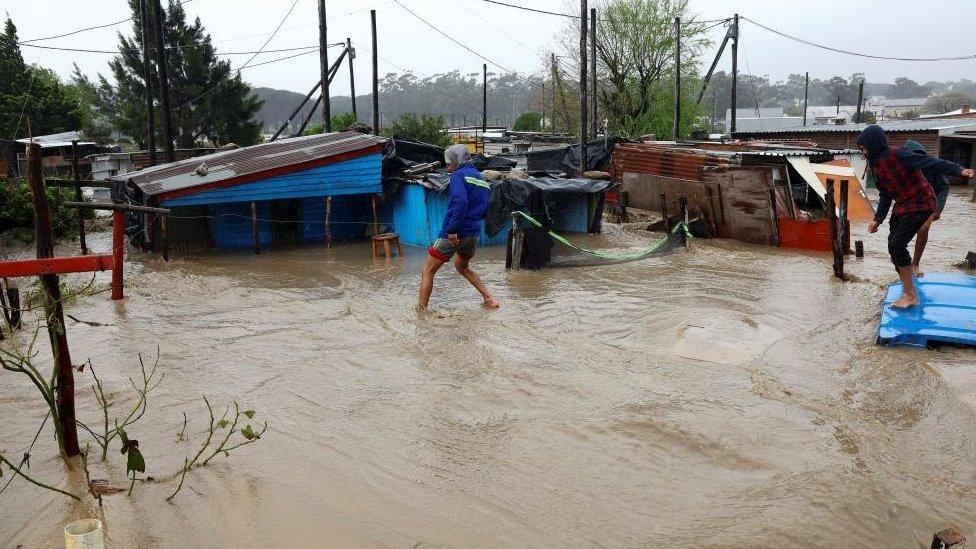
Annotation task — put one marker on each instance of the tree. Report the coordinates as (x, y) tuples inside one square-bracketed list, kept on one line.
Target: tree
[(906, 88), (635, 62), (340, 122), (425, 129), (210, 104), (948, 101), (528, 122), (96, 103), (31, 93)]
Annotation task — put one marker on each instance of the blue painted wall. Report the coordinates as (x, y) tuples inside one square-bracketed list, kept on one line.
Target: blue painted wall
[(355, 176), (232, 225), (418, 214), (351, 216)]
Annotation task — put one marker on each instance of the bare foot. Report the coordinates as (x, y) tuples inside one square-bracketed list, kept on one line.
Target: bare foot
[(917, 271), (492, 303), (905, 302)]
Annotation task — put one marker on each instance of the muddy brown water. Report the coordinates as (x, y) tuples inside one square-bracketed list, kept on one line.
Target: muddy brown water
[(726, 396)]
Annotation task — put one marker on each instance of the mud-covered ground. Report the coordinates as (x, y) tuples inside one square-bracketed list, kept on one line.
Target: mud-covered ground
[(728, 396)]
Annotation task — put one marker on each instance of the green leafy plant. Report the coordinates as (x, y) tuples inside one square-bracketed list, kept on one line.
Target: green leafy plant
[(135, 462), (425, 129), (28, 478)]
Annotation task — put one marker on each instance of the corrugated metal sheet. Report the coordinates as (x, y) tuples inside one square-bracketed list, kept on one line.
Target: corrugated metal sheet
[(893, 126), (251, 163), (664, 160), (355, 176)]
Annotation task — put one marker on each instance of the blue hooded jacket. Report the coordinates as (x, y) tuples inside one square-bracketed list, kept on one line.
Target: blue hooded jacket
[(934, 176), (468, 204), (874, 140)]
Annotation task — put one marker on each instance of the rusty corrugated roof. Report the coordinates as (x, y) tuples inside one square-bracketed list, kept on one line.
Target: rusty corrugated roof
[(274, 158), (668, 161)]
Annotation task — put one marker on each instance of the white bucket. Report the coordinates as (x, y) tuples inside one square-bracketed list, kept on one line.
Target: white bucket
[(84, 534)]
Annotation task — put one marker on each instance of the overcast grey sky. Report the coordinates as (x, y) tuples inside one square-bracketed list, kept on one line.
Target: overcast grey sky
[(516, 39)]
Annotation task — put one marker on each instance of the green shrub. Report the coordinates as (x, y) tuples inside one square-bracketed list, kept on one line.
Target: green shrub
[(16, 210)]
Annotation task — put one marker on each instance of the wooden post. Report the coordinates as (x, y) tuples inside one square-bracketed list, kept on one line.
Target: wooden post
[(324, 67), (806, 95), (53, 310), (594, 123), (735, 69), (118, 255), (858, 248), (623, 200), (484, 101), (664, 213), (147, 82), (584, 103), (376, 77), (255, 233), (164, 83), (843, 221), (676, 129), (860, 99), (683, 203), (81, 213), (328, 221), (164, 226), (835, 241), (351, 53), (376, 219), (513, 257)]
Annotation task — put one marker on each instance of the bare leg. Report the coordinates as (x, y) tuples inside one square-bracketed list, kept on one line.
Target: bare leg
[(427, 281), (461, 264), (908, 297), (921, 239)]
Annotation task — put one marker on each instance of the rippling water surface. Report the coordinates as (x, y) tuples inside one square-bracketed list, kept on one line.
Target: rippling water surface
[(726, 396)]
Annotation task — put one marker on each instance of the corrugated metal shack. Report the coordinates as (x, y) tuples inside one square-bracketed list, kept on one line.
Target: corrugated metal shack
[(281, 186), (749, 191)]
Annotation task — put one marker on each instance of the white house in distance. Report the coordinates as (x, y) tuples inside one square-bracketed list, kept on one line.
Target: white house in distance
[(894, 109)]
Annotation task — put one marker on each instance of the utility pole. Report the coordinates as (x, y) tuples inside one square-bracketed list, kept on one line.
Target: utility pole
[(164, 83), (552, 71), (542, 123), (838, 104), (584, 104), (806, 96), (324, 68), (593, 115), (76, 174), (676, 133), (858, 115), (376, 78), (147, 79), (484, 100), (735, 68), (352, 77)]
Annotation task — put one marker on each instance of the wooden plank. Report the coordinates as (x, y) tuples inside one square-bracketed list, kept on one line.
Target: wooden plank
[(56, 265), (747, 207)]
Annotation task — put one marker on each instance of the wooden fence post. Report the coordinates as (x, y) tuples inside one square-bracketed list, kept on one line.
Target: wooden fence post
[(118, 253), (328, 221), (845, 223), (53, 309), (81, 213), (664, 213), (835, 240), (513, 259), (255, 233)]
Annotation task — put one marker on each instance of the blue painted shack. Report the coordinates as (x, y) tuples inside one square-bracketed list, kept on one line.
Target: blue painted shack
[(281, 187)]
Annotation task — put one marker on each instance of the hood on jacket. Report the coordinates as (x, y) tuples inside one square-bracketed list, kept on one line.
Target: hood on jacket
[(915, 147), (874, 140)]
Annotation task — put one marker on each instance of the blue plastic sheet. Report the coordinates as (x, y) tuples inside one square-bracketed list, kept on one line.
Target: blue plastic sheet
[(947, 313)]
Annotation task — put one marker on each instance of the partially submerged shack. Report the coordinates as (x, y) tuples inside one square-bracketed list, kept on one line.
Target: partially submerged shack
[(749, 191), (277, 192)]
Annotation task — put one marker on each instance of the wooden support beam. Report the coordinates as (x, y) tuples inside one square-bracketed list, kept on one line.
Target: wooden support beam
[(835, 240), (118, 250), (664, 213), (164, 226), (376, 218), (56, 265), (117, 207), (53, 309), (328, 221), (76, 174)]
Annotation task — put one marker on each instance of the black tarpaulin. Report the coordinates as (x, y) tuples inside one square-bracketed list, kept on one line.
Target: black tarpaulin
[(566, 159), (508, 195)]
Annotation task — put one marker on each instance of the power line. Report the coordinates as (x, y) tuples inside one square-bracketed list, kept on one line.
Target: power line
[(854, 53), (516, 6), (180, 47), (499, 29), (449, 37), (23, 42)]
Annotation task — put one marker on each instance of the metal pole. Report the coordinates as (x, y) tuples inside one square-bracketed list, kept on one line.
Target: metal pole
[(860, 99), (81, 213), (735, 67), (352, 77), (584, 104), (484, 99), (806, 96), (593, 37), (324, 68), (53, 311), (332, 72), (376, 78), (147, 80), (164, 84), (676, 133), (295, 112)]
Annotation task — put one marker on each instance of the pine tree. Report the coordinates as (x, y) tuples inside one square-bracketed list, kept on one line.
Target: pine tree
[(210, 104)]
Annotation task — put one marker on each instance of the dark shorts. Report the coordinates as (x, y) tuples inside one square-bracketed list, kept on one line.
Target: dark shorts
[(442, 249), (903, 230)]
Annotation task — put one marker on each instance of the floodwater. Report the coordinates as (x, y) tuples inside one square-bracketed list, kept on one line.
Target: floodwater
[(726, 396)]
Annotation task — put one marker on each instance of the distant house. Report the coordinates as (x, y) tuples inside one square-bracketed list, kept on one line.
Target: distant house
[(55, 153), (110, 164), (830, 115), (760, 119), (895, 109), (964, 112), (275, 190)]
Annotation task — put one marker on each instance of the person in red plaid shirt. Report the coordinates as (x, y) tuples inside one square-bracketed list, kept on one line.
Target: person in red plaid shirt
[(898, 175)]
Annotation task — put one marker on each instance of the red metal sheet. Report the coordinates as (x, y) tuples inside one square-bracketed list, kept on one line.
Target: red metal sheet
[(56, 265)]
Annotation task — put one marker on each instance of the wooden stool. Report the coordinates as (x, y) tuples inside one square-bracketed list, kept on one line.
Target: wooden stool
[(386, 239)]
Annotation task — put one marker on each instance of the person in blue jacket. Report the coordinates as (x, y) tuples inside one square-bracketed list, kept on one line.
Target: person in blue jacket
[(936, 178), (462, 226)]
